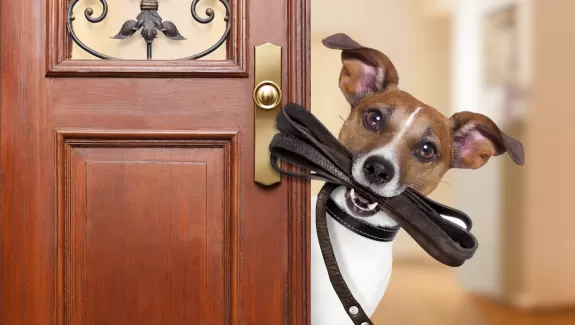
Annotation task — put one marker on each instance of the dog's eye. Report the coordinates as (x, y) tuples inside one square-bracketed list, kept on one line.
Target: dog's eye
[(426, 151), (373, 119)]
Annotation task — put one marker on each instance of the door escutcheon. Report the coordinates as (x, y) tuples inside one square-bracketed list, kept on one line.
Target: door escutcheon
[(267, 98)]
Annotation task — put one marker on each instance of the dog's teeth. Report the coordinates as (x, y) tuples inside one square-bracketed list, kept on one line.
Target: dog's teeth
[(352, 194), (372, 206)]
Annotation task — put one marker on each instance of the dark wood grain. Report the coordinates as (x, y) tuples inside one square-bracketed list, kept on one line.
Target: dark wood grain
[(27, 192), (299, 85), (167, 240), (143, 120), (147, 69), (155, 244)]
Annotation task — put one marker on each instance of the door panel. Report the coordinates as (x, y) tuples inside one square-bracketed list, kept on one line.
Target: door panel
[(153, 217), (127, 187)]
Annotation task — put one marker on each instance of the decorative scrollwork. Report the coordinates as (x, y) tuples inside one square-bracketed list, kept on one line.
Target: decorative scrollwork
[(211, 15), (149, 22), (89, 12)]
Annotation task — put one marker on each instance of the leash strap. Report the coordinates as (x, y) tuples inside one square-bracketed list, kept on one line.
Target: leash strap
[(351, 306)]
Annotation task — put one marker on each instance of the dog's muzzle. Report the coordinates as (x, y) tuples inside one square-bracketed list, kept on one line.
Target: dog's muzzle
[(306, 143)]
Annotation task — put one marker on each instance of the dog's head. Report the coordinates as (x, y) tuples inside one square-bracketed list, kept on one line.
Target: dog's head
[(398, 141)]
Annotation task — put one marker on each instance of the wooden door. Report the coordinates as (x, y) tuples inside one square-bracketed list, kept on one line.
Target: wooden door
[(127, 186)]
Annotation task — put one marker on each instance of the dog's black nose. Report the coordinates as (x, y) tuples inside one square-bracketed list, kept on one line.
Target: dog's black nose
[(378, 170)]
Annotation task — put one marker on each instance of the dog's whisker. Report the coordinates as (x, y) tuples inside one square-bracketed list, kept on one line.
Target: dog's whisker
[(446, 183)]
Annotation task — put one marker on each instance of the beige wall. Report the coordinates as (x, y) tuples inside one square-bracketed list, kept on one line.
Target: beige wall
[(526, 239), (418, 45), (549, 239), (523, 225)]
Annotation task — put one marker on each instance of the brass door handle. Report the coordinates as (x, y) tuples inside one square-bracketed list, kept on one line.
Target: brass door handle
[(267, 95), (267, 98)]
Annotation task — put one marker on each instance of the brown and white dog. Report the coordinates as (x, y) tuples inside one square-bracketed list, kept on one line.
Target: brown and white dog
[(397, 142)]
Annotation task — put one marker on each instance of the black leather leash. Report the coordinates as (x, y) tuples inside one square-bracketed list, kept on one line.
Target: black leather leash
[(305, 142)]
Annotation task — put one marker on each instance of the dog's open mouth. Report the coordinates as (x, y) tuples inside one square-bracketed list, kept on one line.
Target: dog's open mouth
[(360, 204)]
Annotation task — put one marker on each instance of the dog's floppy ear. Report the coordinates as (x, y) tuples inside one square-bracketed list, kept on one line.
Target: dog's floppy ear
[(365, 71), (476, 138)]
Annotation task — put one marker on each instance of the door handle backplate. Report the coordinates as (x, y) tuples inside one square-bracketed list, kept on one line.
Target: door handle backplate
[(267, 96)]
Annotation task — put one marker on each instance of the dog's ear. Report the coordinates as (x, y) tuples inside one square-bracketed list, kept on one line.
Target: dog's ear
[(476, 138), (365, 71)]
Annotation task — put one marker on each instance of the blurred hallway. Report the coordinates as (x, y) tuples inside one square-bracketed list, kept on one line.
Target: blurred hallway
[(511, 60), (427, 294)]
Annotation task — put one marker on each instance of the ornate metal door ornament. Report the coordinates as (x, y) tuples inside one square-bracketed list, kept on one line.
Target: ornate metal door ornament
[(149, 22)]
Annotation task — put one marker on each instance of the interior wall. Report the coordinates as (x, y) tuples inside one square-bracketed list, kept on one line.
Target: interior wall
[(525, 228), (477, 192), (416, 41), (549, 240), (486, 194)]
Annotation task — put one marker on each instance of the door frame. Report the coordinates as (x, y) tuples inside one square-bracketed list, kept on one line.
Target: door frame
[(298, 91), (299, 191)]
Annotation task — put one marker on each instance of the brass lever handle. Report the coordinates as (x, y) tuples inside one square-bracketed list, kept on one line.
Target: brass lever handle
[(267, 98)]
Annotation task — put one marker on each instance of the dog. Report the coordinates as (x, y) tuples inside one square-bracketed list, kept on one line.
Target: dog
[(397, 141)]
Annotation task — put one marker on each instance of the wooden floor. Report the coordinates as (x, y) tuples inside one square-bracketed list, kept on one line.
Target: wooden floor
[(428, 295)]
